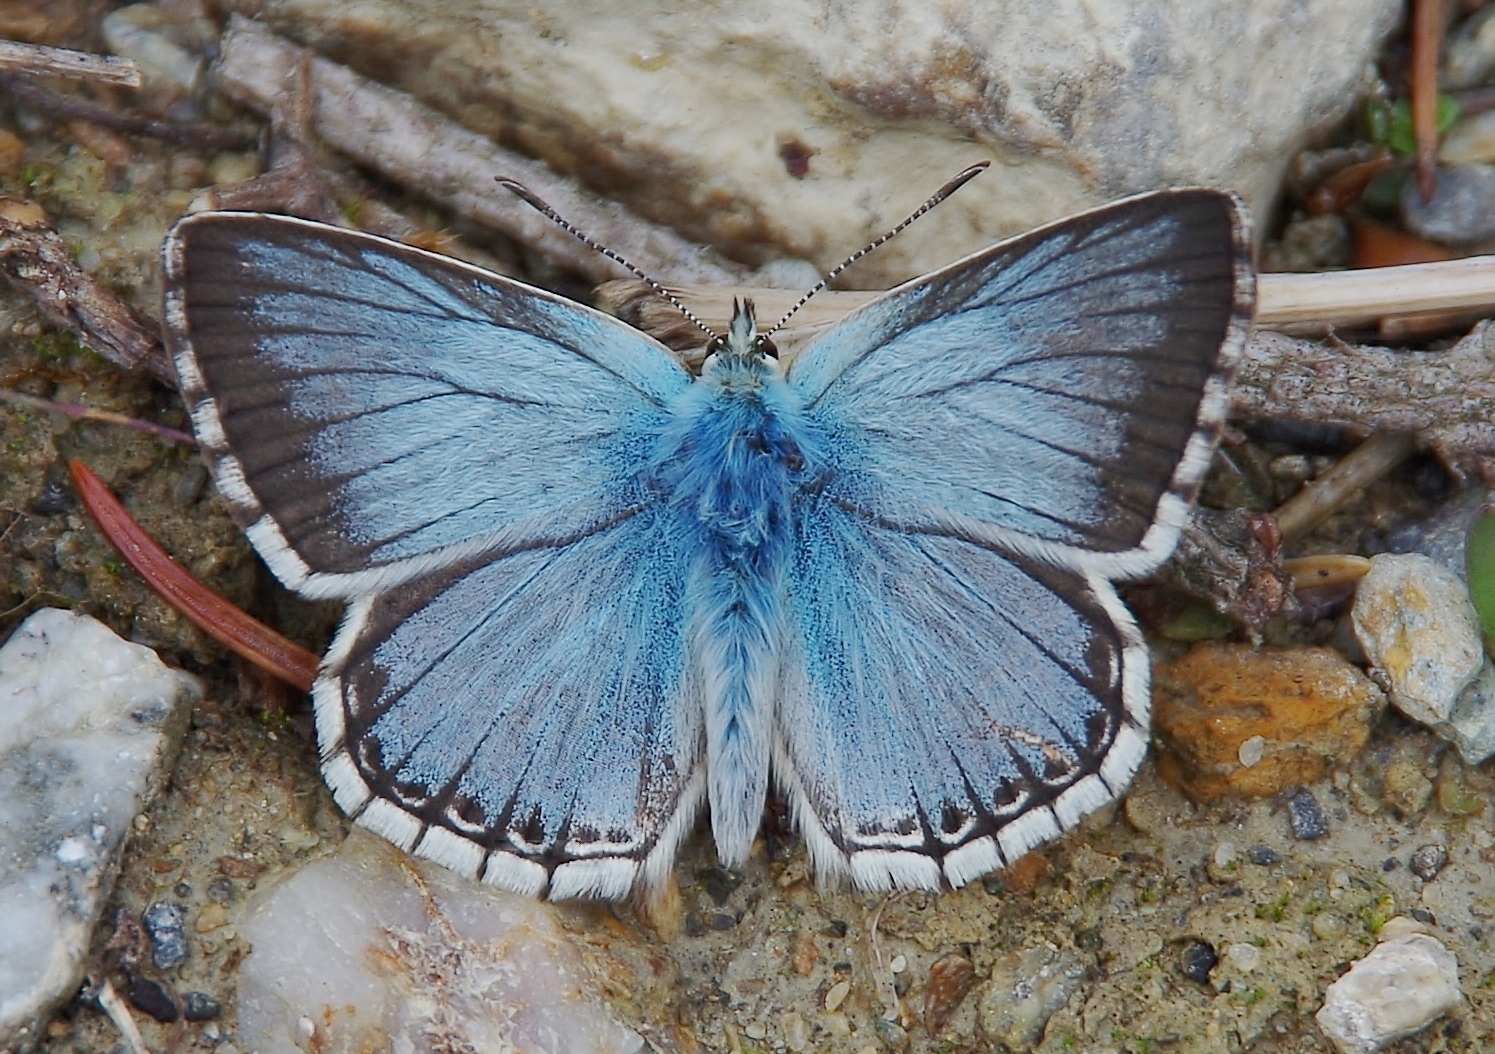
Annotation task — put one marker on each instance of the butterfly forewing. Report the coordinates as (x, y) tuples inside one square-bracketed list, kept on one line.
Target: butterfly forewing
[(1059, 393), (373, 411)]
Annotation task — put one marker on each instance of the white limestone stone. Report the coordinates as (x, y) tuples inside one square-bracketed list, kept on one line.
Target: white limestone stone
[(774, 127), (90, 725), (371, 949), (1404, 984), (1417, 625)]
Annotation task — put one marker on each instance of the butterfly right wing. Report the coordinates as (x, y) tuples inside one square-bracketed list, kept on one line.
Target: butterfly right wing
[(531, 720), (374, 412)]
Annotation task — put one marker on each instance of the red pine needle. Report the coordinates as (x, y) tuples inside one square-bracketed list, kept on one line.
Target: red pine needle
[(245, 636)]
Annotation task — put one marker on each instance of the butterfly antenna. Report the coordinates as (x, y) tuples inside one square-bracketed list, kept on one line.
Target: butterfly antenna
[(830, 276), (535, 202)]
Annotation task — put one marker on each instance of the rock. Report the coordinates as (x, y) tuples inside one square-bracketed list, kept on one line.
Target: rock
[(951, 977), (1471, 724), (1289, 712), (1306, 816), (1462, 211), (91, 725), (1415, 621), (408, 954), (1405, 984), (770, 127), (1023, 991), (1471, 140)]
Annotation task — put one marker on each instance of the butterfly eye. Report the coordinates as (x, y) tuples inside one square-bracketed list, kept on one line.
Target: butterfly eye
[(765, 347)]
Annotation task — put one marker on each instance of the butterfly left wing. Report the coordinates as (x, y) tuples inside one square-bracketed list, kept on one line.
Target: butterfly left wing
[(530, 720), (1058, 394), (373, 412)]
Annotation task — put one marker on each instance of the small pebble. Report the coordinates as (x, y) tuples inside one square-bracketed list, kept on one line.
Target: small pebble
[(1224, 854), (1462, 211), (950, 980), (719, 883), (165, 922), (199, 1006), (1327, 926), (755, 1030), (1264, 856), (721, 920), (1428, 861), (892, 1034), (1197, 959), (796, 1032), (1252, 750), (899, 964), (836, 995), (210, 918), (151, 997), (1307, 817), (1244, 957), (306, 1029)]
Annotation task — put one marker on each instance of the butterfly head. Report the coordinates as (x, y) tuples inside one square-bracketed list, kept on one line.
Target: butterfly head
[(742, 345)]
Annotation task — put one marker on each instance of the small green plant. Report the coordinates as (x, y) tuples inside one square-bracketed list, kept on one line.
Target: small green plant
[(1392, 125)]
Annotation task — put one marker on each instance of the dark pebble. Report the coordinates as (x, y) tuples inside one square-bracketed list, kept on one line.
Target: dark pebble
[(719, 883), (721, 920), (221, 890), (1391, 863), (1307, 816), (694, 927), (56, 498), (199, 1006), (1424, 916), (891, 1033), (151, 997), (1428, 861), (837, 928), (166, 923), (1089, 939), (1197, 959), (994, 885), (1264, 856)]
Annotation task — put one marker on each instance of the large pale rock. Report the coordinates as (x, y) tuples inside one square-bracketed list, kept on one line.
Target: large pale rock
[(90, 725), (370, 950), (1406, 983), (768, 127)]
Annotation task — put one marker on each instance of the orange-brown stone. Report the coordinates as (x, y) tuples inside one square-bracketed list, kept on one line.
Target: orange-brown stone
[(1309, 706)]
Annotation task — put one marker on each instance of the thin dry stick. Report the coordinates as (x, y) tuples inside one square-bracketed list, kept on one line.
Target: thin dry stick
[(114, 1007), (38, 60), (1318, 500)]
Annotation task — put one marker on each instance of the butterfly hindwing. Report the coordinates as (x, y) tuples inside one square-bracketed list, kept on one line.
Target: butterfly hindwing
[(530, 720), (373, 411), (1058, 393), (943, 707)]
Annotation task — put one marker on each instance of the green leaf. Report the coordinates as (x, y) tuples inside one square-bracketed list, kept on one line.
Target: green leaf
[(1392, 125), (1479, 557)]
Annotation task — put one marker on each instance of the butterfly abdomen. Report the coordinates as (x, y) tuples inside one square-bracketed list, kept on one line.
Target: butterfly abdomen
[(735, 460)]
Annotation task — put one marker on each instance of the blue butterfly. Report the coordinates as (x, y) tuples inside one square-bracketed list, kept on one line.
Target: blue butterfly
[(587, 592)]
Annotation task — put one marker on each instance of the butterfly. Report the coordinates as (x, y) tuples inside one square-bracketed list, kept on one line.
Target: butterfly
[(588, 592)]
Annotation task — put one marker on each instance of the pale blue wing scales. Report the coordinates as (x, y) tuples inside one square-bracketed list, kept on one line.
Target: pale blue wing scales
[(373, 410), (943, 707), (530, 720), (1057, 394)]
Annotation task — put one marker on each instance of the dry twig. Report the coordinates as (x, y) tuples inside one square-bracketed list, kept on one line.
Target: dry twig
[(38, 60), (34, 260)]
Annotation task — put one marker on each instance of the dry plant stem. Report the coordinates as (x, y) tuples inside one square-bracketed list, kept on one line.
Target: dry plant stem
[(61, 104), (1317, 501), (88, 413), (37, 262), (1427, 42), (1338, 298), (38, 60), (403, 140)]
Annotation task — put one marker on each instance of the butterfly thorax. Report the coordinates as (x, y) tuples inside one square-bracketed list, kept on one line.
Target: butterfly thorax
[(738, 452)]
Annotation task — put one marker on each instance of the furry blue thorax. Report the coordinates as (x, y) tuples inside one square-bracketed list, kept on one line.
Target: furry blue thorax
[(736, 454)]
